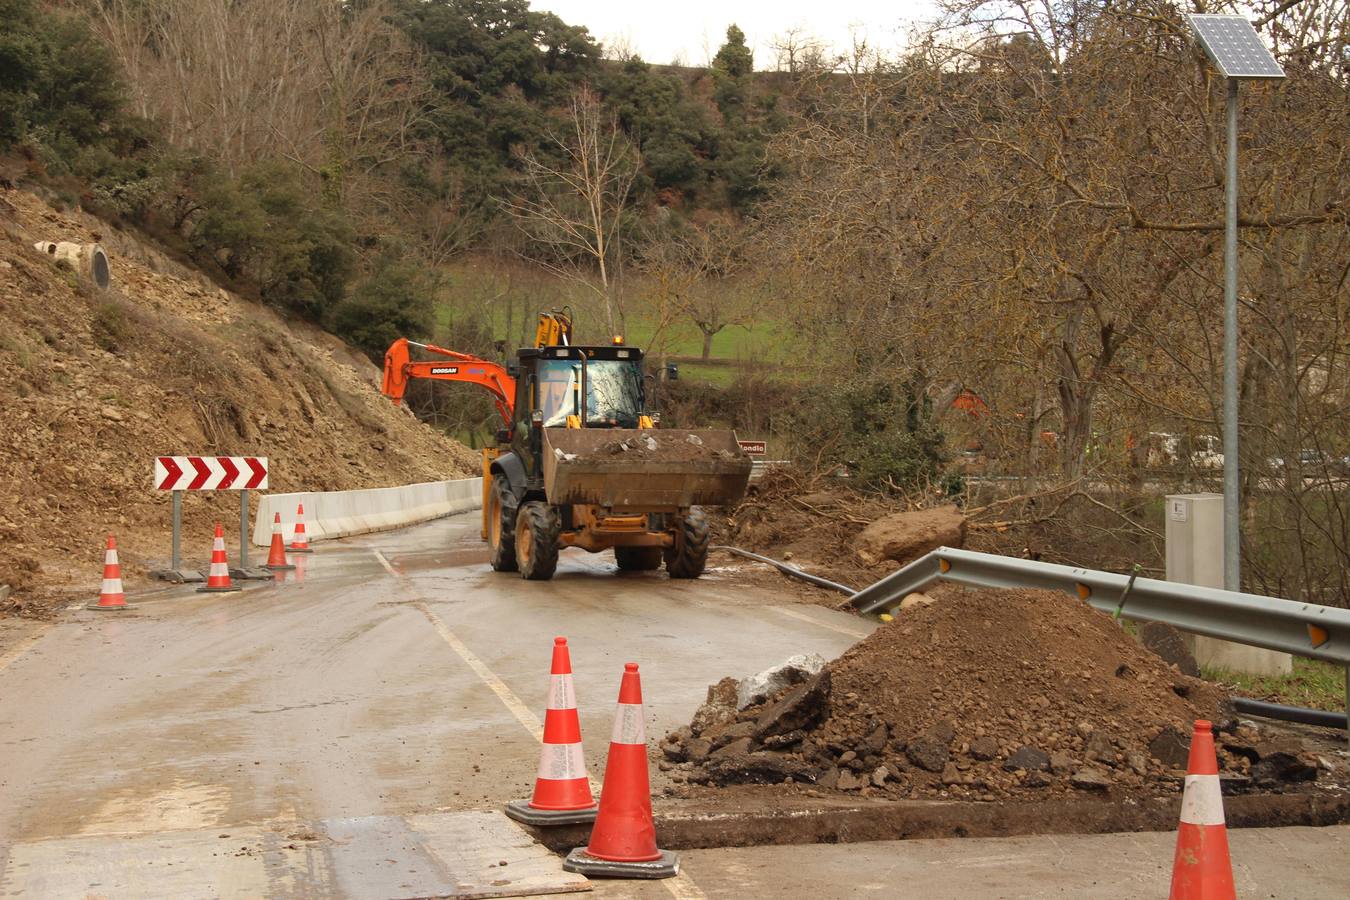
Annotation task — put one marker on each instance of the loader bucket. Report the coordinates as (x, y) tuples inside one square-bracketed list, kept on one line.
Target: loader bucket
[(643, 470)]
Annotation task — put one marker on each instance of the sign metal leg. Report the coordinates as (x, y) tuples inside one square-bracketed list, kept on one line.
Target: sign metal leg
[(177, 562), (243, 529)]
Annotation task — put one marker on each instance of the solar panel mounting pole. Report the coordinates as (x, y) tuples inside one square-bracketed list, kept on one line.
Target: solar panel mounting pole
[(1237, 51), (1232, 535)]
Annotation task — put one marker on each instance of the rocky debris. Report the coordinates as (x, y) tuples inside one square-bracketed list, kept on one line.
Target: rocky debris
[(915, 599), (980, 696), (658, 446), (1028, 758), (1170, 644), (800, 708), (1089, 779), (984, 748), (905, 536), (1281, 762), (718, 709), (795, 670), (1171, 747), (928, 753)]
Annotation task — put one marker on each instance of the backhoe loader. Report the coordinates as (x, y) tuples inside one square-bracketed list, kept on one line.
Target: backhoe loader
[(579, 461)]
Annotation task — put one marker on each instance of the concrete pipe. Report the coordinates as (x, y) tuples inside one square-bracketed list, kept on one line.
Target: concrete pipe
[(89, 260)]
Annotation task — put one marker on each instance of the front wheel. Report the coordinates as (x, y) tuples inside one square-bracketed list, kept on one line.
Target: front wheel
[(537, 529), (688, 555), (501, 526)]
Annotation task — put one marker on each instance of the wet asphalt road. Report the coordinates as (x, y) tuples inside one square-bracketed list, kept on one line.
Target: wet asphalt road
[(392, 685), (392, 674)]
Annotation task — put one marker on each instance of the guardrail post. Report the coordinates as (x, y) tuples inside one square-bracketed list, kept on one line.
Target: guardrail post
[(1195, 555)]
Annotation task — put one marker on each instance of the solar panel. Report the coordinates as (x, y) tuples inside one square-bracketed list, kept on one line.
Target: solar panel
[(1235, 47)]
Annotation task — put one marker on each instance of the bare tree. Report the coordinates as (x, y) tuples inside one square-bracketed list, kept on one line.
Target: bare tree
[(331, 86), (694, 269), (572, 198)]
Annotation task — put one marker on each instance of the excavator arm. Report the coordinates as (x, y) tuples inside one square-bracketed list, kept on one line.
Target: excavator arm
[(399, 369)]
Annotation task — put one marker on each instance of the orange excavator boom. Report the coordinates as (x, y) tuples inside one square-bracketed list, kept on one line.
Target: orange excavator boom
[(399, 369)]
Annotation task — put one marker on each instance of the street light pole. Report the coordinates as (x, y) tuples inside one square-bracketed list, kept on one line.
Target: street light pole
[(1232, 533)]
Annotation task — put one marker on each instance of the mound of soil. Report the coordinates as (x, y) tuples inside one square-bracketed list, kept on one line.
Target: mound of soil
[(95, 384), (981, 695), (657, 446)]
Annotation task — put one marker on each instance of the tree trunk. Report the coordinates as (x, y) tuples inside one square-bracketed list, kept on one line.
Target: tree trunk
[(707, 343)]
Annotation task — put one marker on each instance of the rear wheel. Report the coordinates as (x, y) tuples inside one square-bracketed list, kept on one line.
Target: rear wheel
[(537, 528), (638, 559), (501, 526), (687, 557)]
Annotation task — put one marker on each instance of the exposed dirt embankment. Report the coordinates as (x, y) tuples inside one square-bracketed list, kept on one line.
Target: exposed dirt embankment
[(94, 385)]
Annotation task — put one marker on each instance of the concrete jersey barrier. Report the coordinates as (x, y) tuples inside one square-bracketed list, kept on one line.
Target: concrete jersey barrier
[(335, 514)]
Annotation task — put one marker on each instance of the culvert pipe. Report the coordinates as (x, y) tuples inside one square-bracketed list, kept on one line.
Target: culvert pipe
[(89, 260), (1302, 715), (790, 571)]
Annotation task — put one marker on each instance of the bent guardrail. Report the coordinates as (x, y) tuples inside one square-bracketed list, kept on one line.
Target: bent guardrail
[(1304, 629)]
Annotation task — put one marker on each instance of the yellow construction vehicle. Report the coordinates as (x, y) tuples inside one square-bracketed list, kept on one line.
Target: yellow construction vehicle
[(580, 461)]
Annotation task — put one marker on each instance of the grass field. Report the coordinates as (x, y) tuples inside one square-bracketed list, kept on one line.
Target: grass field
[(507, 296), (1313, 683)]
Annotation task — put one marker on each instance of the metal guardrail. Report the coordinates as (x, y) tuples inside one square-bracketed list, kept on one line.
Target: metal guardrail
[(1304, 629)]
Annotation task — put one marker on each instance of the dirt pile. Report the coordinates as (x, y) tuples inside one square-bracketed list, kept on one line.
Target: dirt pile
[(983, 695), (819, 526), (95, 384), (656, 446)]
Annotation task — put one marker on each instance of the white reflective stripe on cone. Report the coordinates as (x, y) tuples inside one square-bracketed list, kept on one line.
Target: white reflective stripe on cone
[(219, 569), (628, 725), (1202, 803), (562, 762), (110, 557), (219, 544), (111, 586), (561, 694)]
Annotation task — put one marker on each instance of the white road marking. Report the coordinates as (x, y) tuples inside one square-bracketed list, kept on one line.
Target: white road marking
[(486, 675), (384, 562), (842, 629), (683, 887), (21, 647)]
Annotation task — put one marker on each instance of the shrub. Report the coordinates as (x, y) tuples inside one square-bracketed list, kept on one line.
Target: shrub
[(394, 301), (882, 430), (59, 86), (110, 328), (267, 228)]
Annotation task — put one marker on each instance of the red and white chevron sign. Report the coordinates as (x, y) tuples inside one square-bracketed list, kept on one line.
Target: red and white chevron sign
[(211, 473)]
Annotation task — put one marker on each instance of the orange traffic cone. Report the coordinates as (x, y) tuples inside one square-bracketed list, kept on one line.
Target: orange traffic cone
[(218, 579), (111, 595), (623, 839), (1201, 869), (562, 791), (300, 542), (276, 557)]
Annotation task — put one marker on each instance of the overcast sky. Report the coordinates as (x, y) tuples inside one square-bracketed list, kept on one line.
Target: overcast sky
[(692, 30)]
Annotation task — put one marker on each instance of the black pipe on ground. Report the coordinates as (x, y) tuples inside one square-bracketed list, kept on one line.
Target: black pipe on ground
[(788, 570), (1318, 717)]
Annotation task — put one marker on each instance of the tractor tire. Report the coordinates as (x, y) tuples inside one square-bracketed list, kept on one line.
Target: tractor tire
[(638, 559), (688, 556), (537, 528), (501, 527)]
